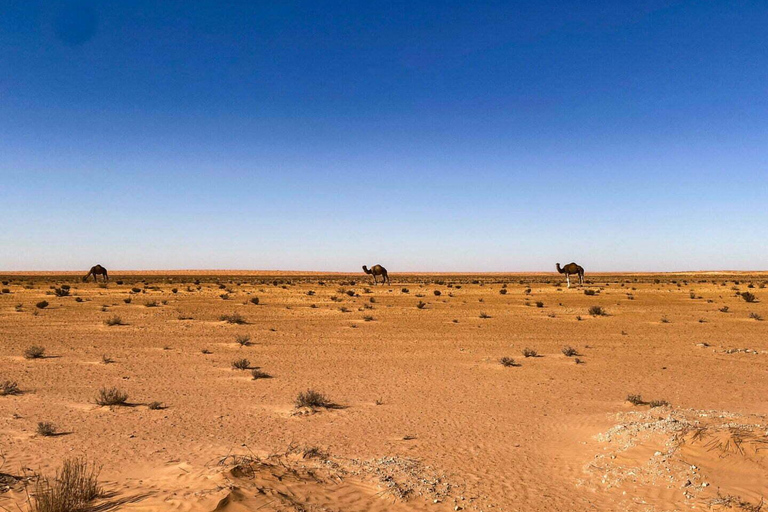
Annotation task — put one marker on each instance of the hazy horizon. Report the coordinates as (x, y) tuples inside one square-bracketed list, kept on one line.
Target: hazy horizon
[(492, 136)]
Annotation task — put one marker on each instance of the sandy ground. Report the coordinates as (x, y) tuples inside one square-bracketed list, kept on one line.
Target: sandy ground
[(426, 418)]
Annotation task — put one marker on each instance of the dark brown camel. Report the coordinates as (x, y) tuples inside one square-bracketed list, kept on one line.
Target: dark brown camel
[(98, 270), (377, 270), (571, 269)]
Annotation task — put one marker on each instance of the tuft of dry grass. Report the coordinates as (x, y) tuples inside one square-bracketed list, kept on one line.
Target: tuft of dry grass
[(113, 320), (46, 429), (42, 304), (155, 406), (597, 311), (243, 340), (312, 399), (569, 351), (74, 487), (241, 364), (34, 352), (635, 399), (9, 387), (755, 316), (508, 361), (111, 396), (258, 374), (529, 352), (234, 318)]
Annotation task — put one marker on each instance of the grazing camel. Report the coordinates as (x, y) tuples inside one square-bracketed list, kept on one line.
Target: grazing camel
[(98, 270), (377, 270), (570, 269)]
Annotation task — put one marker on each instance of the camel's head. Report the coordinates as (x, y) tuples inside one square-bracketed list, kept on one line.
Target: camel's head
[(557, 266), (365, 269), (85, 278)]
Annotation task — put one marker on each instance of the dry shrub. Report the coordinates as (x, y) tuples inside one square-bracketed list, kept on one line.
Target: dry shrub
[(234, 318), (9, 387), (111, 396), (75, 485), (569, 351), (34, 352), (312, 399), (597, 311), (508, 361), (114, 320), (46, 429), (241, 364)]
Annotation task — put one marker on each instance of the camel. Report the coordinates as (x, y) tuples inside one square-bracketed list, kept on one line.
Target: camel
[(377, 270), (98, 270), (570, 269)]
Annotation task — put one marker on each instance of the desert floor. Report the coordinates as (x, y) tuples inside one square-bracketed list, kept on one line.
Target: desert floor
[(426, 417)]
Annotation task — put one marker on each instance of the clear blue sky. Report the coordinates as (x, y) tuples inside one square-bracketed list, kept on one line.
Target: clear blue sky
[(450, 136)]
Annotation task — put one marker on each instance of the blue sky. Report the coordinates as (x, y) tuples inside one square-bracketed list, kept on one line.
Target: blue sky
[(445, 136)]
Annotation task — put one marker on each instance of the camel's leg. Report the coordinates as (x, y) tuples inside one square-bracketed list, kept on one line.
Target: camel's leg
[(568, 280)]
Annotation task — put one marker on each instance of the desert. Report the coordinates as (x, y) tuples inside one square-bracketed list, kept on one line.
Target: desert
[(434, 392)]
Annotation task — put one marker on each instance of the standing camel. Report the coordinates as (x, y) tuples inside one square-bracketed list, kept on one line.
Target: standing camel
[(98, 270), (377, 270), (571, 269)]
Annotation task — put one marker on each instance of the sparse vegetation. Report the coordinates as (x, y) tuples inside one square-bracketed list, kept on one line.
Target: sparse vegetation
[(484, 315), (46, 429), (9, 387), (755, 316), (590, 292), (71, 490), (529, 352), (748, 297), (42, 304), (155, 406), (34, 352), (111, 397), (61, 292), (508, 361), (258, 374), (658, 403), (312, 399), (243, 340), (113, 320), (234, 318), (569, 351), (421, 304), (724, 309), (635, 399), (241, 364), (597, 311)]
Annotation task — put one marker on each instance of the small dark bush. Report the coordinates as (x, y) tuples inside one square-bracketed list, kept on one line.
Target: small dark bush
[(114, 320), (635, 399), (106, 359), (34, 352), (9, 387), (748, 297), (590, 292), (483, 314), (529, 352), (539, 304), (421, 304), (151, 304), (724, 309), (755, 316), (258, 374), (111, 396), (312, 399), (255, 301), (658, 403), (503, 291), (243, 340), (569, 351), (42, 304), (597, 311), (665, 320), (234, 318), (437, 293), (241, 364), (508, 361), (155, 406), (368, 318), (136, 290), (46, 428), (405, 290), (61, 292)]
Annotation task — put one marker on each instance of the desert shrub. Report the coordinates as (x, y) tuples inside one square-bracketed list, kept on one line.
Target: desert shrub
[(114, 320), (569, 351), (6, 290), (597, 311), (46, 428), (590, 292), (34, 352), (405, 290), (312, 399), (9, 387), (635, 399), (42, 304), (529, 352), (665, 320), (658, 403), (258, 374), (111, 396), (421, 304), (71, 490), (151, 304), (344, 309), (243, 340), (155, 406), (206, 351), (351, 293), (255, 301), (508, 361), (61, 292), (368, 318), (539, 304), (724, 309), (577, 360), (483, 314), (748, 297), (174, 290), (106, 359), (241, 364), (224, 296), (437, 293), (234, 318), (755, 316)]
